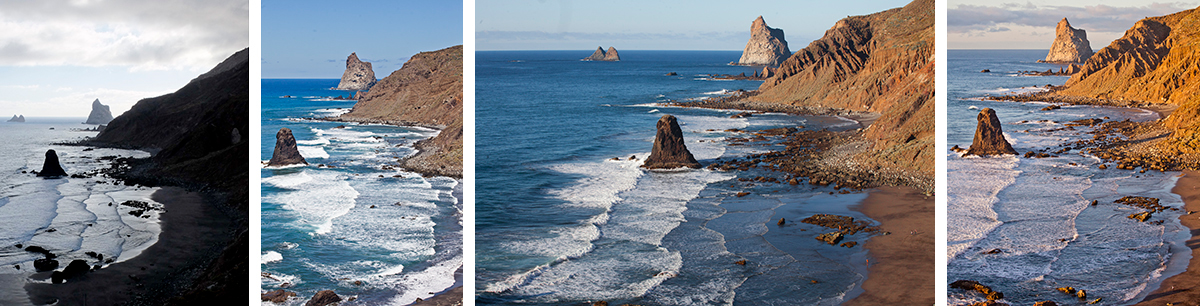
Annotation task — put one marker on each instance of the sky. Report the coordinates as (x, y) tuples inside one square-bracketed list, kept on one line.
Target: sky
[(654, 25), (57, 56), (311, 39), (992, 24)]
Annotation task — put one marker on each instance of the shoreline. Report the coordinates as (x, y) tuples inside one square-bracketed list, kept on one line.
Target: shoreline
[(421, 146), (1185, 286), (902, 272), (194, 233)]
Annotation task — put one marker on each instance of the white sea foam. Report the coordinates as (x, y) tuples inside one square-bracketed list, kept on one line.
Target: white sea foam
[(970, 213), (317, 196), (269, 257), (312, 152)]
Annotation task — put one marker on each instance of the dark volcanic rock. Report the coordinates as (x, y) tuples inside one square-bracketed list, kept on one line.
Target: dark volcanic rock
[(75, 269), (45, 264), (51, 168), (976, 286), (324, 297), (277, 296), (100, 114), (285, 150), (669, 150), (358, 75), (989, 138)]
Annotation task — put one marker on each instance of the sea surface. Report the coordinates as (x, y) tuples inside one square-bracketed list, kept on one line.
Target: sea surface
[(559, 221), (347, 221), (1037, 212), (68, 216)]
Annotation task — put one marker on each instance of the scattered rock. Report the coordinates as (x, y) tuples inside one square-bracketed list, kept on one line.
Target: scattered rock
[(831, 238), (741, 262), (277, 296), (45, 264), (986, 70), (780, 222), (1141, 217), (849, 244), (324, 297), (75, 269), (991, 295)]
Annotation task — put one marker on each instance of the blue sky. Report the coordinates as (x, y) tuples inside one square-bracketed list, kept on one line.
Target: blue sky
[(311, 39), (57, 56), (991, 24), (654, 25)]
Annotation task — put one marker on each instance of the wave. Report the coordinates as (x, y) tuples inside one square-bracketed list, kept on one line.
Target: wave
[(269, 257), (317, 196)]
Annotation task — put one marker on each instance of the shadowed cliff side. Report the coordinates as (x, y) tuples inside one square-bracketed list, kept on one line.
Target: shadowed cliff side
[(880, 63), (427, 91)]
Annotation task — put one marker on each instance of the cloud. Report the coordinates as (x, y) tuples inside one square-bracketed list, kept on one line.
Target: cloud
[(142, 35), (1097, 18)]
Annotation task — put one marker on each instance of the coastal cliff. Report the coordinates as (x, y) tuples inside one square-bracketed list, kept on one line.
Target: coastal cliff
[(1070, 45), (766, 45), (358, 74), (426, 91), (880, 63)]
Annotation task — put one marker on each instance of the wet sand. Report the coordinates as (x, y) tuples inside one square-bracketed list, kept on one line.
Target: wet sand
[(901, 268), (193, 234), (1184, 289)]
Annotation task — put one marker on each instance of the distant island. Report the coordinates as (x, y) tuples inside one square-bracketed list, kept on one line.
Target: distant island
[(605, 56)]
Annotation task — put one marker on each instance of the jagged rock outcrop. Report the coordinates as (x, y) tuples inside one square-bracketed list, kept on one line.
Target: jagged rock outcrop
[(989, 138), (51, 168), (1070, 45), (16, 118), (358, 75), (426, 91), (100, 114), (881, 63), (669, 150), (766, 45), (323, 297), (601, 55), (285, 150)]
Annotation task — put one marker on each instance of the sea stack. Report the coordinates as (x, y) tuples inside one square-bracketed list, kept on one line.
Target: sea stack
[(1070, 45), (358, 75), (51, 168), (601, 55), (989, 139), (766, 45), (16, 118), (285, 150), (669, 150), (100, 114)]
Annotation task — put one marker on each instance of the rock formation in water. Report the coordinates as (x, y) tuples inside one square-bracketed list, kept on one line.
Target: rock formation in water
[(989, 138), (1070, 45), (323, 297), (601, 55), (51, 168), (881, 63), (766, 45), (358, 75), (426, 91), (100, 114), (285, 150), (16, 118), (669, 150), (75, 269)]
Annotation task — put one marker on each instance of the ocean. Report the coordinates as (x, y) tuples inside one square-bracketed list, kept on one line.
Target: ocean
[(1037, 212), (347, 222), (558, 221), (70, 216)]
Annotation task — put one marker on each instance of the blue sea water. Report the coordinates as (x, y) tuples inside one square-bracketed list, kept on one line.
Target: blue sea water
[(558, 221), (1037, 212), (346, 222)]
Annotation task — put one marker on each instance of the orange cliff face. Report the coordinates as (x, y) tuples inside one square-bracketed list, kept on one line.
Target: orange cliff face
[(881, 63)]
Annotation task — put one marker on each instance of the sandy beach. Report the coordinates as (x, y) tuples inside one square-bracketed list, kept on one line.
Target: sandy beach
[(193, 234), (1184, 289), (901, 268)]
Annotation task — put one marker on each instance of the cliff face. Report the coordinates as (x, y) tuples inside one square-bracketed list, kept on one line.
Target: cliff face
[(766, 45), (601, 55), (881, 63), (426, 91), (100, 114), (358, 74), (1070, 45)]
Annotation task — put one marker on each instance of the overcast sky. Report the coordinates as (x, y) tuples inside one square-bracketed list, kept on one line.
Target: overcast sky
[(654, 25), (312, 38), (991, 24), (57, 56)]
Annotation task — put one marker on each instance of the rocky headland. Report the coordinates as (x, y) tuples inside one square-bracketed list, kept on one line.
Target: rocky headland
[(766, 46), (17, 118), (100, 114), (286, 153), (358, 75), (669, 150), (605, 56), (427, 91), (1070, 45), (989, 137)]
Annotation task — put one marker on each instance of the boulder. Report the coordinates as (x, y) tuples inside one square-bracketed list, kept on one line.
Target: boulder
[(324, 297), (285, 150), (989, 138), (358, 75), (16, 118), (45, 264), (51, 168), (669, 150), (277, 296), (1070, 45), (766, 45), (100, 114), (75, 269), (976, 286), (601, 55), (831, 238)]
